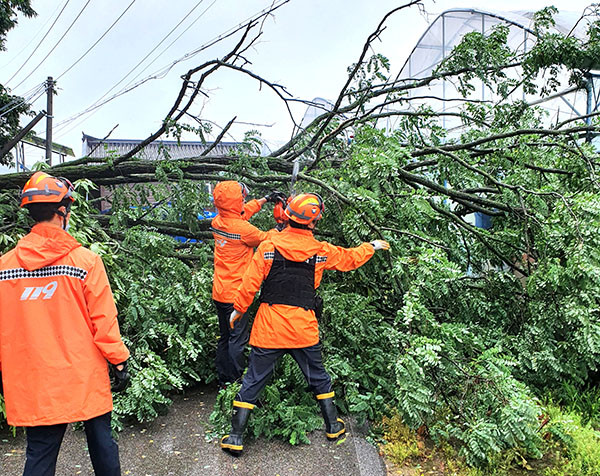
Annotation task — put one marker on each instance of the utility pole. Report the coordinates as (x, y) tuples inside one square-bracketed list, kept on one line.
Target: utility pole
[(49, 115)]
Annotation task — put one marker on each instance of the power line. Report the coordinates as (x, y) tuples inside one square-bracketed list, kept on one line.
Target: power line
[(33, 38), (162, 72), (41, 41), (21, 100), (97, 41), (173, 42), (31, 99), (153, 50), (57, 43), (98, 104)]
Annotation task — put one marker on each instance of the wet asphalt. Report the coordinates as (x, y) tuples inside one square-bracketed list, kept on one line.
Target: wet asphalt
[(176, 444)]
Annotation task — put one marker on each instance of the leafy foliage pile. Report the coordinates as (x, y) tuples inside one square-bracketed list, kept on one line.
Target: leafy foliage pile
[(579, 444)]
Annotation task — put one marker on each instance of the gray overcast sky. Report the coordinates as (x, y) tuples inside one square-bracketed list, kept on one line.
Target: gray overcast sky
[(306, 46)]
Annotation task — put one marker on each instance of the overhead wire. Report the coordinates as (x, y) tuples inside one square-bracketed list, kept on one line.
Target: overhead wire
[(172, 43), (57, 43), (38, 45), (31, 40), (162, 72), (125, 90), (97, 41), (19, 99), (30, 100), (24, 98), (151, 51), (18, 102), (98, 104)]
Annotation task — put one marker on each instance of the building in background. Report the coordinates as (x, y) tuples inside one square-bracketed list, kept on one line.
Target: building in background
[(160, 149), (447, 31)]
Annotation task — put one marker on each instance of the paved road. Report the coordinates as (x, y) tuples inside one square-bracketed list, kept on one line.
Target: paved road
[(175, 445)]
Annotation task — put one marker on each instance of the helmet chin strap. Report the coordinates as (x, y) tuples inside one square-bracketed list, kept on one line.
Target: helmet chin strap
[(63, 215), (64, 218)]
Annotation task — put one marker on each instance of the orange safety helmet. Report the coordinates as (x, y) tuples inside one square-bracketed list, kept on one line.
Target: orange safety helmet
[(43, 188), (305, 208)]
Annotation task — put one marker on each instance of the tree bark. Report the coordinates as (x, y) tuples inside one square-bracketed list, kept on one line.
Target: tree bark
[(164, 227)]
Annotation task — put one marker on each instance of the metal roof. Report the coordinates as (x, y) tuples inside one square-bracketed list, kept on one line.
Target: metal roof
[(100, 148), (56, 147), (476, 19)]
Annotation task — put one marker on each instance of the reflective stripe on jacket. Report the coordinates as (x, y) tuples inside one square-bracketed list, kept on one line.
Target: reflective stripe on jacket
[(280, 326), (58, 327), (235, 239)]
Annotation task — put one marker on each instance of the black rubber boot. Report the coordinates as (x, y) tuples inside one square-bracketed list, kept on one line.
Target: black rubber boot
[(334, 426), (234, 441)]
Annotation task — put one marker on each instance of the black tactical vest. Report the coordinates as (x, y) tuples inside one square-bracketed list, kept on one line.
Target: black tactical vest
[(290, 282)]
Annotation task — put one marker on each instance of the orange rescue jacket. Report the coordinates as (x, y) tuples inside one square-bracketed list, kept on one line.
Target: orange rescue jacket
[(280, 326), (58, 327), (235, 239)]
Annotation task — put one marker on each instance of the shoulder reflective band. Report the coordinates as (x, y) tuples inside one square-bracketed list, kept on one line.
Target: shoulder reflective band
[(48, 271)]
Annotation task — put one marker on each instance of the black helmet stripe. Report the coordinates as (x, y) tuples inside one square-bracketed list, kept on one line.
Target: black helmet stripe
[(32, 193)]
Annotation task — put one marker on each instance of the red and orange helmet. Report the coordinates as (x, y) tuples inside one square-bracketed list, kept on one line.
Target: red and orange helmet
[(305, 208), (43, 188)]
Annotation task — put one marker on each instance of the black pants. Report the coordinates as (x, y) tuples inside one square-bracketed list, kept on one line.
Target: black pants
[(262, 363), (230, 360), (43, 443)]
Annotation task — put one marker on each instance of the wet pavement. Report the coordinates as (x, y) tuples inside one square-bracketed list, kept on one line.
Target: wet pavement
[(175, 444)]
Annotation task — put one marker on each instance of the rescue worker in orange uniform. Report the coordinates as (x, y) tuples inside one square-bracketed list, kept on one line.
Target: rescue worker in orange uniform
[(289, 266), (235, 240), (58, 329)]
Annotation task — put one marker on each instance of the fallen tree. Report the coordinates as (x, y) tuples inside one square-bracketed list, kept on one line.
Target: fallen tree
[(460, 328)]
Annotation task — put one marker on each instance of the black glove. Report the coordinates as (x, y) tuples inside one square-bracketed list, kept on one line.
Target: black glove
[(318, 307), (276, 196), (119, 378)]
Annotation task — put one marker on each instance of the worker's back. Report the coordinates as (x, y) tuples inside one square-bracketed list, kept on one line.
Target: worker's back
[(57, 328), (284, 325), (234, 237)]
